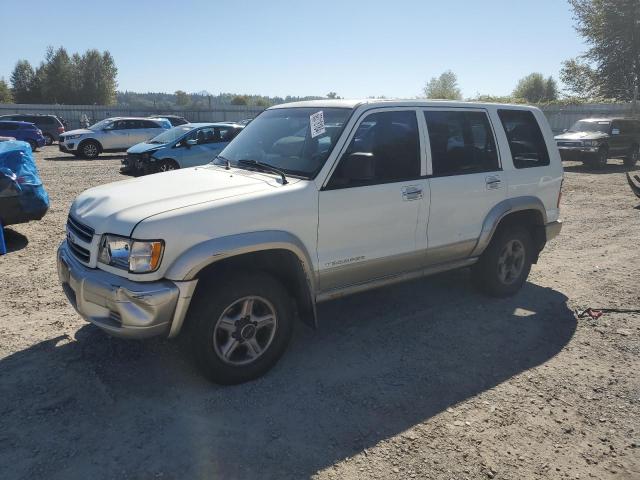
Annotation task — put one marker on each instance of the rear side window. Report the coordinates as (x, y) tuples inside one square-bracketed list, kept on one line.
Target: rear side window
[(527, 145), (390, 141), (7, 126), (461, 142)]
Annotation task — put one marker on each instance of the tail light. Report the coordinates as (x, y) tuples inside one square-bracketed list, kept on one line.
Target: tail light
[(60, 129)]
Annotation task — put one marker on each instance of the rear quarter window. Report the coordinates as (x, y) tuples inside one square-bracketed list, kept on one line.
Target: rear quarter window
[(526, 142)]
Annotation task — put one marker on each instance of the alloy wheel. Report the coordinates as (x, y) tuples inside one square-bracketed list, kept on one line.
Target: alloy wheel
[(511, 262), (245, 330)]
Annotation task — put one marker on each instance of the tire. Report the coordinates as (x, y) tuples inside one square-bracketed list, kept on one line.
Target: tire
[(632, 157), (168, 165), (33, 144), (89, 149), (600, 160), (231, 348), (505, 264), (48, 139)]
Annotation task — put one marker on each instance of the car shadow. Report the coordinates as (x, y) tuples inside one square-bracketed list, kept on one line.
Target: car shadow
[(381, 363), (608, 169), (73, 158), (14, 241)]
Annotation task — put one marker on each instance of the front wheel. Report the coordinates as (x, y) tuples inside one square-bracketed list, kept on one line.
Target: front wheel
[(632, 157), (48, 139), (240, 328), (33, 144), (89, 149), (167, 166), (505, 264), (600, 160)]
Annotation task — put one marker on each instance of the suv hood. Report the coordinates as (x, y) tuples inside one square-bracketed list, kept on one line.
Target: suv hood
[(78, 131), (118, 207), (581, 136)]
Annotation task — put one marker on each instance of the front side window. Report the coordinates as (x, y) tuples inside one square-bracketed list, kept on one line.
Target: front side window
[(527, 145), (384, 149), (461, 142), (285, 138)]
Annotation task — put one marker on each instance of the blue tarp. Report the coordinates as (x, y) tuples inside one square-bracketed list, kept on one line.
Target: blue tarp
[(22, 195)]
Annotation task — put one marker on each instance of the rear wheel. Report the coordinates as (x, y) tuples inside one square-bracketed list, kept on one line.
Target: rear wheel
[(48, 139), (167, 165), (632, 157), (505, 264), (89, 149), (241, 328)]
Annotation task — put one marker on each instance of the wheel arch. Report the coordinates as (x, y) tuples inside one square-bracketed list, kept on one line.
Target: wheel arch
[(276, 252), (527, 210), (91, 139)]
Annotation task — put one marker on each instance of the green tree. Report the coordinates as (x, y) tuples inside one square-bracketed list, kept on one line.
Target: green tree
[(5, 92), (58, 71), (443, 87), (535, 89), (610, 68), (22, 82), (262, 102), (332, 95), (240, 100), (97, 78), (182, 98)]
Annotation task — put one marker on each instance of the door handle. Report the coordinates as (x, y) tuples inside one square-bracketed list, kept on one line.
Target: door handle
[(493, 182), (411, 193)]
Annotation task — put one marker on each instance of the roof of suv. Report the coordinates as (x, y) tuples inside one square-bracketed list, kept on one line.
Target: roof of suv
[(17, 122), (344, 103), (609, 119)]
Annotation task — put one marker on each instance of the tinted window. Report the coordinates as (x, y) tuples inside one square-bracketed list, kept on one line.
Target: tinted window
[(149, 124), (461, 142), (526, 142), (7, 126), (388, 143), (225, 134)]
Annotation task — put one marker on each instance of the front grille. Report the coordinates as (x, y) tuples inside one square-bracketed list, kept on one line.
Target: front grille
[(80, 230)]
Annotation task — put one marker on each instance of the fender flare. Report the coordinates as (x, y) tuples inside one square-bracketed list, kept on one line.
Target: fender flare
[(501, 210), (187, 266)]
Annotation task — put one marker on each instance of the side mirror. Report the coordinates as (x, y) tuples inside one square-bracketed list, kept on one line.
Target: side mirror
[(615, 131), (565, 130), (359, 167), (191, 142)]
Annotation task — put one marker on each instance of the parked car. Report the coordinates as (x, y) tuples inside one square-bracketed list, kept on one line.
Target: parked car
[(174, 119), (312, 201), (111, 135), (595, 140), (27, 132), (183, 146), (51, 125)]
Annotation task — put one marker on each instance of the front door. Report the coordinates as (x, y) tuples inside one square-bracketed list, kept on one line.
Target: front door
[(115, 136), (374, 207), (467, 180)]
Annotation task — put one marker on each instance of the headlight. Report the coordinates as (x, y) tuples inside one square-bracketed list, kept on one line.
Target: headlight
[(591, 143), (71, 137), (145, 156), (135, 256)]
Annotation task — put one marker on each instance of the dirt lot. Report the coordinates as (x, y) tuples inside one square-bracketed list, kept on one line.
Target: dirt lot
[(423, 380)]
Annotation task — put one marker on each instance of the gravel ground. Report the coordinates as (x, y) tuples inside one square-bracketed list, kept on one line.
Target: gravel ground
[(423, 380)]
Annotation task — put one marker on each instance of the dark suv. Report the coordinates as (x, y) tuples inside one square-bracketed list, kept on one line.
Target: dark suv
[(50, 125), (594, 140)]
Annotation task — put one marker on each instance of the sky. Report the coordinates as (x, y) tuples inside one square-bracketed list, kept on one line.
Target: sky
[(305, 47)]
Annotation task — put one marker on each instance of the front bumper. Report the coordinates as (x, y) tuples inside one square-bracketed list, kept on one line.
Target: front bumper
[(552, 230), (577, 153), (63, 147), (117, 305)]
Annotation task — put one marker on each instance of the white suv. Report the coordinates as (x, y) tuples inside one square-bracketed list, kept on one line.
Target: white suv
[(313, 201), (111, 135)]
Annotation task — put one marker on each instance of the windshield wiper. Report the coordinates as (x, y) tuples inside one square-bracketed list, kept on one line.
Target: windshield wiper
[(226, 160), (265, 167)]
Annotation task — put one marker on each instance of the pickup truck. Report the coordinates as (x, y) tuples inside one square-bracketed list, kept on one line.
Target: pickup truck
[(312, 201)]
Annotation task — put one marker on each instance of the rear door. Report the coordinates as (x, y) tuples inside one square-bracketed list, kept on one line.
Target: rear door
[(466, 182)]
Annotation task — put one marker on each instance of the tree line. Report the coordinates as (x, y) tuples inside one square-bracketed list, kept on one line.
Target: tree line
[(61, 78)]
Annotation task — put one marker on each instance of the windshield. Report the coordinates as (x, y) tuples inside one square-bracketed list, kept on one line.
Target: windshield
[(171, 135), (284, 138), (584, 126), (101, 124)]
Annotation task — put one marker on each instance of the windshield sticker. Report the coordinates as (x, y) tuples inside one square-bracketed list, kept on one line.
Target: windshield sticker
[(317, 124)]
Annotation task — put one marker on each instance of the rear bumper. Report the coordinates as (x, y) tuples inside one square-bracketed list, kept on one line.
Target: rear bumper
[(119, 306), (552, 230)]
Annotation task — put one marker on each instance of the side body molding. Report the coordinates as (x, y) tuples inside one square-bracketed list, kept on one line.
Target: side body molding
[(193, 260), (501, 210)]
